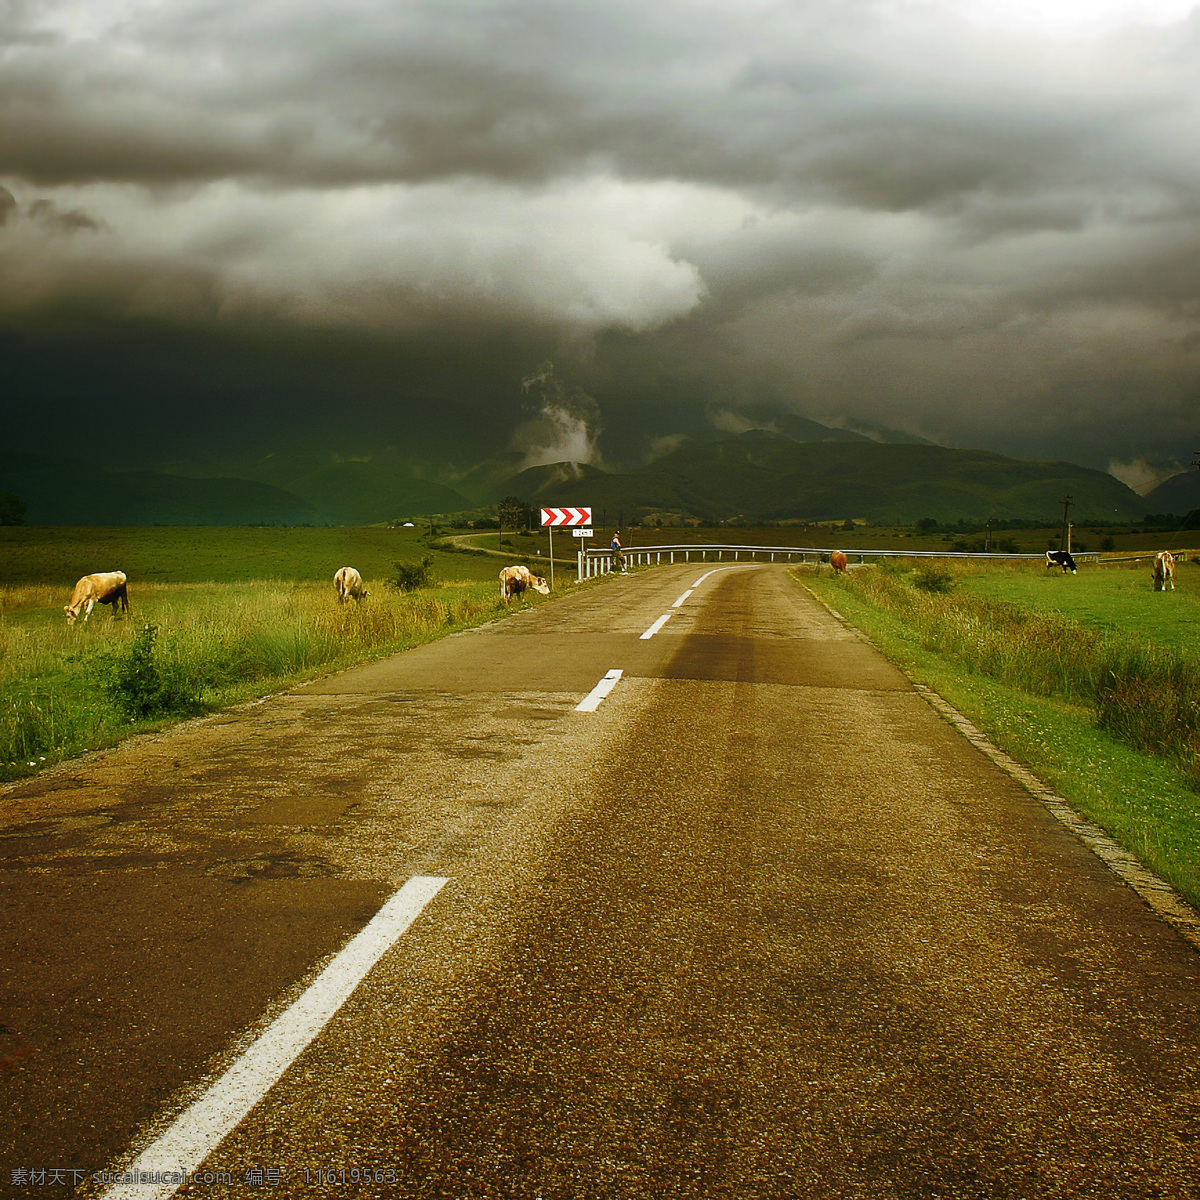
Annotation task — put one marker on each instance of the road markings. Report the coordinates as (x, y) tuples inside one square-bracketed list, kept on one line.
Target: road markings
[(656, 627), (683, 597), (201, 1128), (592, 700), (715, 570)]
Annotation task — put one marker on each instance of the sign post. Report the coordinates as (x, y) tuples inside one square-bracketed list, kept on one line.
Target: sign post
[(573, 517)]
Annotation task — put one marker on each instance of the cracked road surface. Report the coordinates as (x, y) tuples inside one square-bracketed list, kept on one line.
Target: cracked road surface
[(762, 925)]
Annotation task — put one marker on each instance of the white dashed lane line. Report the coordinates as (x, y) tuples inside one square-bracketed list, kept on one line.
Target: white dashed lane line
[(683, 597), (656, 627), (592, 701), (202, 1127)]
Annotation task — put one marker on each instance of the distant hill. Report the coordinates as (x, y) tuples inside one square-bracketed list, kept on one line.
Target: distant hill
[(803, 429), (367, 492), (758, 477), (309, 489), (1179, 494), (64, 491)]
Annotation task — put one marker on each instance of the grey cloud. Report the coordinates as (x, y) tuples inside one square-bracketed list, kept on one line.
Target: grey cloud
[(517, 90), (833, 207), (70, 221)]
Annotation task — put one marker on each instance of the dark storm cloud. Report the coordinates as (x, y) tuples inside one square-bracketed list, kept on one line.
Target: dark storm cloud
[(871, 210), (811, 98)]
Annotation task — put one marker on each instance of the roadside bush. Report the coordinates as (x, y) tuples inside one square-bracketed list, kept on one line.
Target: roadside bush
[(933, 580), (142, 687), (409, 576)]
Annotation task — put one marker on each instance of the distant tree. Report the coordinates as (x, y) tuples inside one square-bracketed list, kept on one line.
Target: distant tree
[(848, 525), (513, 513), (926, 525), (12, 509)]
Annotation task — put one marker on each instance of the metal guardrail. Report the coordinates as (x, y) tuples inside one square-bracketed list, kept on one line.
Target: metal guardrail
[(593, 562), (600, 560)]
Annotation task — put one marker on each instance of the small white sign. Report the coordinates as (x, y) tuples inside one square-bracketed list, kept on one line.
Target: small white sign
[(581, 533)]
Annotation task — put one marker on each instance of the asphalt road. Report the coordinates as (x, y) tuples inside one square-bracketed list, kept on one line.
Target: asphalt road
[(761, 925)]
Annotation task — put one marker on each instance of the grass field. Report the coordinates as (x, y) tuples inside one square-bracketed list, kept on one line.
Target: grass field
[(1089, 679), (59, 555), (1115, 597), (216, 616)]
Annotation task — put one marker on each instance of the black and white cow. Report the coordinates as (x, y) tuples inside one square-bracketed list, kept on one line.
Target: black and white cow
[(1061, 558)]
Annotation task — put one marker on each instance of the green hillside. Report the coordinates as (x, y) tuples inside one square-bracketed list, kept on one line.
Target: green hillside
[(365, 493), (1179, 494), (298, 490), (62, 491), (764, 478), (355, 491)]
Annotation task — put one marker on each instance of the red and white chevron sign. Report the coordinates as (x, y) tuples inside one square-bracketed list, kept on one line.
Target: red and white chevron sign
[(566, 516)]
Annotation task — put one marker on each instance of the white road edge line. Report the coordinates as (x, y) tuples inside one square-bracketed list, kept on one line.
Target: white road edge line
[(655, 627), (201, 1128), (683, 597), (592, 700)]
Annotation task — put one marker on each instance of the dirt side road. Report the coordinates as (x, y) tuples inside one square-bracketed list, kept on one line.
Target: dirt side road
[(762, 925)]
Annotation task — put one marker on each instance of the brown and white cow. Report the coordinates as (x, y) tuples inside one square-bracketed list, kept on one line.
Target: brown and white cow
[(1164, 571), (516, 580), (107, 587), (349, 586), (838, 561)]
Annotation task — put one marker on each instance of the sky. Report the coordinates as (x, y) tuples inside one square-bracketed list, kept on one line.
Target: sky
[(585, 229)]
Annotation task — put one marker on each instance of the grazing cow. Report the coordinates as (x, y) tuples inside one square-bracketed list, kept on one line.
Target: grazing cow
[(108, 587), (1164, 571), (515, 580), (838, 561), (349, 585), (1060, 558)]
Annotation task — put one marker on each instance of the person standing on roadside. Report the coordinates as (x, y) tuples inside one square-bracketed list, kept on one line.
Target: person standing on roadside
[(618, 557)]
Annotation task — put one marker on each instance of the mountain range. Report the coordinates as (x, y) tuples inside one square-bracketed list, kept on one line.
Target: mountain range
[(795, 470)]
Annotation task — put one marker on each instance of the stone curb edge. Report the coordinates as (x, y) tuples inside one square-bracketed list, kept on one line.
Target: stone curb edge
[(1156, 892)]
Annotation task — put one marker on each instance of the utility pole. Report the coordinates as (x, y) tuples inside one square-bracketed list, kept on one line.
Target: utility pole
[(1064, 542)]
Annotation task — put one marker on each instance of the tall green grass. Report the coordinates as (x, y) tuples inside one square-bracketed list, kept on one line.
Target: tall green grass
[(1144, 693), (187, 649)]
